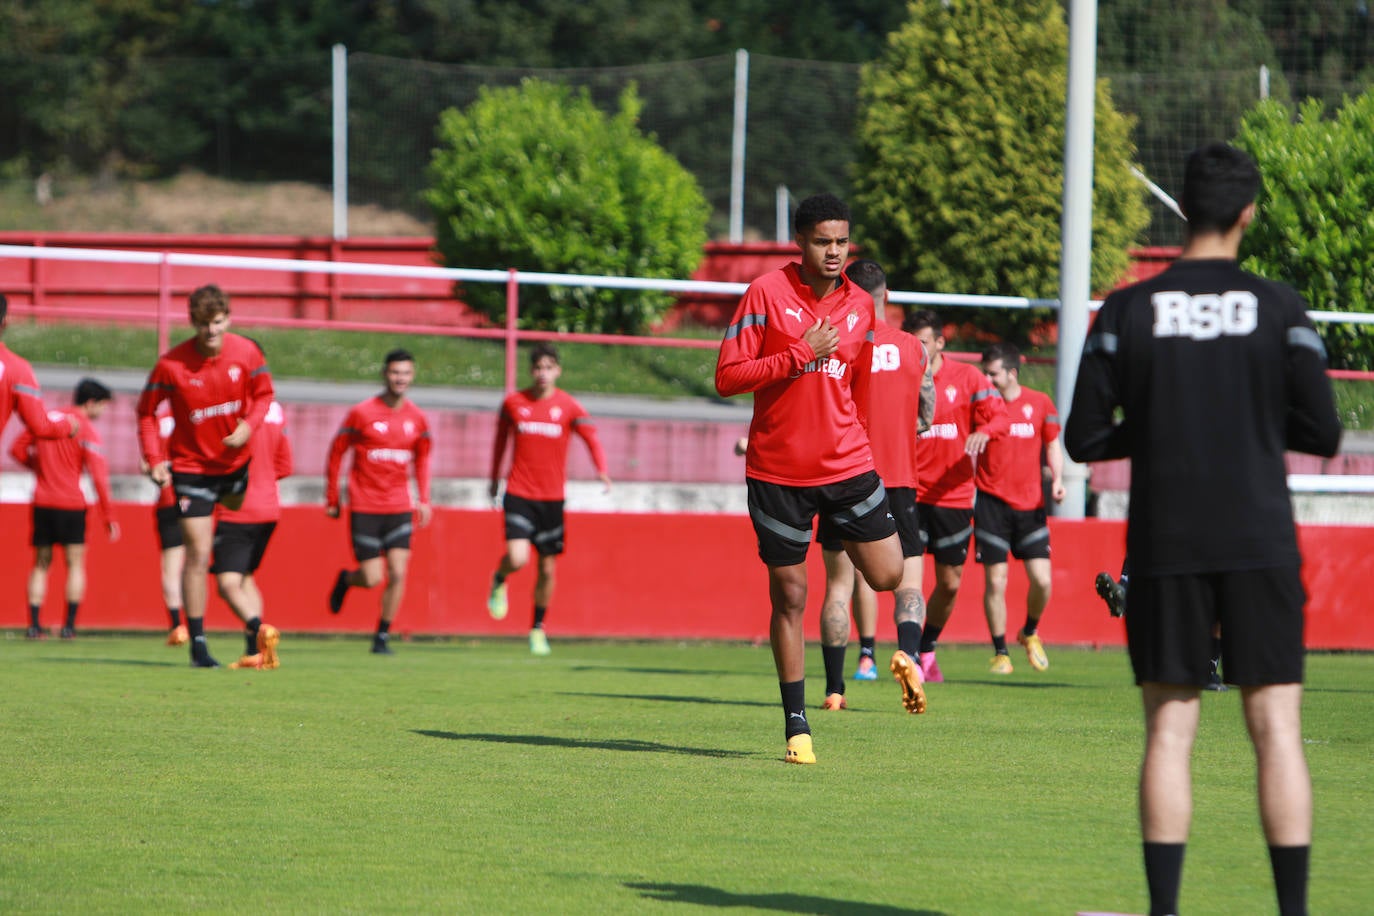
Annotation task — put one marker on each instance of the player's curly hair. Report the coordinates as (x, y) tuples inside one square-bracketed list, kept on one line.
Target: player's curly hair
[(207, 303), (818, 208)]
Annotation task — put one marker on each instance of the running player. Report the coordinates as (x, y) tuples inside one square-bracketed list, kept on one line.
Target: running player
[(1203, 376), (219, 389), (388, 437), (242, 535), (801, 340), (59, 505), (968, 413), (1009, 513), (901, 404), (539, 419)]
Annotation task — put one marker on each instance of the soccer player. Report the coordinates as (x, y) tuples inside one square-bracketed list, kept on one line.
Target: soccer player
[(388, 437), (539, 419), (242, 535), (1215, 372), (19, 391), (219, 389), (968, 414), (59, 505), (801, 340), (901, 404), (1009, 512), (171, 547)]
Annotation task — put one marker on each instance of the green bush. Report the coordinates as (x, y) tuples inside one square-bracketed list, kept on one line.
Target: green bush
[(1314, 226), (959, 179), (538, 178)]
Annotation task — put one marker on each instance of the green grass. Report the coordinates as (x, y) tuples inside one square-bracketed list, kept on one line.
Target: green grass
[(466, 776)]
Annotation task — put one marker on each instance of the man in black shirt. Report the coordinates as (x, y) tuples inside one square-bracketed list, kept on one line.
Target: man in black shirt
[(1215, 372)]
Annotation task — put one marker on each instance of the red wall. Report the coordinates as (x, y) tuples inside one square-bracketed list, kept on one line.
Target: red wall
[(626, 575)]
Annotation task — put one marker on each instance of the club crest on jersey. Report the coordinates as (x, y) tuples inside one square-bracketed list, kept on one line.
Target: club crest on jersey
[(235, 373), (409, 427), (852, 320), (555, 413), (1027, 410), (951, 393), (523, 411), (379, 426)]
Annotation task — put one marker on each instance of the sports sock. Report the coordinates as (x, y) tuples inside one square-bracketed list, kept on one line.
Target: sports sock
[(383, 627), (1216, 654), (930, 637), (174, 614), (497, 578), (196, 627), (539, 612), (909, 638), (33, 615), (867, 646), (833, 657), (250, 635), (1163, 873), (71, 614), (1029, 628), (1290, 878), (999, 644), (794, 708)]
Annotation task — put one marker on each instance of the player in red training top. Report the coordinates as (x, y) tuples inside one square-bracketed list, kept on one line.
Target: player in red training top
[(968, 413), (219, 389), (242, 535), (901, 404), (1009, 515), (59, 505), (171, 546), (388, 436), (539, 419), (19, 391), (801, 340)]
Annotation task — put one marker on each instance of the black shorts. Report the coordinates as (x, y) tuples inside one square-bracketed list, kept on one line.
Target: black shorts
[(1169, 623), (782, 515), (535, 520), (945, 533), (374, 533), (239, 546), (168, 527), (998, 529), (58, 526), (901, 501), (198, 493)]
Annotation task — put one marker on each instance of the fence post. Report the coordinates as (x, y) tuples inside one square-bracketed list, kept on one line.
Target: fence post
[(164, 304), (512, 322)]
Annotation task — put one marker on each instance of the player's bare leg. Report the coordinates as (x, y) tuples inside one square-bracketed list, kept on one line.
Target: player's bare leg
[(909, 614), (1274, 719), (397, 562), (840, 584), (198, 533), (995, 610), (879, 562), (1037, 598), (1166, 786), (516, 556), (787, 598)]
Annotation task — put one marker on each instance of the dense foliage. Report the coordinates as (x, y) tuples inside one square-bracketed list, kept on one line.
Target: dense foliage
[(538, 178), (1313, 228)]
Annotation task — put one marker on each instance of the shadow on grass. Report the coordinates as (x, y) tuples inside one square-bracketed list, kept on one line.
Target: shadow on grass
[(787, 903), (676, 671), (138, 662), (668, 698), (607, 744)]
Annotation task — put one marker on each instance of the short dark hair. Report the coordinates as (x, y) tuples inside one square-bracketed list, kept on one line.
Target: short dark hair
[(1219, 181), (1007, 352), (88, 389), (921, 319), (398, 355), (207, 303), (541, 350), (818, 208), (867, 273)]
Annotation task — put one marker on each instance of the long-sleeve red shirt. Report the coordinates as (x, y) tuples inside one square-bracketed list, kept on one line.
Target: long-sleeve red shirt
[(1009, 467), (384, 442), (541, 428), (965, 401), (58, 463), (19, 392)]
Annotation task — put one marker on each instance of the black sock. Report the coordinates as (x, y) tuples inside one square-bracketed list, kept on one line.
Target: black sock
[(174, 613), (930, 637), (909, 638), (539, 612), (1290, 878), (1029, 628), (999, 644), (833, 656), (497, 578), (71, 614), (250, 635), (794, 708), (196, 627), (33, 616), (867, 646), (1163, 873), (1216, 654), (383, 627)]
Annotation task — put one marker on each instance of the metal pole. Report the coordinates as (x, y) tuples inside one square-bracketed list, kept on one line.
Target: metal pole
[(737, 146), (340, 105), (782, 213), (1076, 231), (512, 323)]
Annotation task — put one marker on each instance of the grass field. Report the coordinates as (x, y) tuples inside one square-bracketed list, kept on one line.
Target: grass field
[(467, 776)]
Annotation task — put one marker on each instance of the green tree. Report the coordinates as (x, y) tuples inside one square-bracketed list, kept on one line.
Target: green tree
[(959, 178), (538, 178), (1313, 227)]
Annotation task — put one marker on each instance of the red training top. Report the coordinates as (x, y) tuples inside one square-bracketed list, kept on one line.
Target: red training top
[(58, 464), (965, 402), (810, 415), (209, 395), (894, 408), (384, 442), (19, 391), (1010, 466), (538, 469), (271, 462)]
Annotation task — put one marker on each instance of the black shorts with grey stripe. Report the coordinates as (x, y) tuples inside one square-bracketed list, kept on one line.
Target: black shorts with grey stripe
[(198, 493), (945, 532), (539, 521), (998, 530), (374, 533), (856, 509)]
